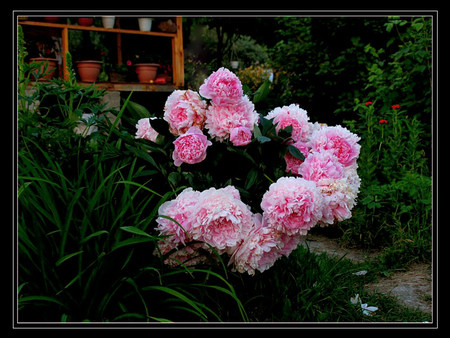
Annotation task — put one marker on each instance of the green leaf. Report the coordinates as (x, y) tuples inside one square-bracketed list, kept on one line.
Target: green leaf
[(262, 92), (263, 139), (256, 131), (178, 295), (137, 109), (174, 178), (295, 152), (162, 320), (95, 234), (140, 186), (66, 257), (251, 178), (40, 299), (135, 231), (132, 241)]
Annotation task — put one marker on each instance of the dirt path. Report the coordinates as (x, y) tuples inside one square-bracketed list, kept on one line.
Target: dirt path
[(412, 287)]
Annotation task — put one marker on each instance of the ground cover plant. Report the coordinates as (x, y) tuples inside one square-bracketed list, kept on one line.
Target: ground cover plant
[(125, 220)]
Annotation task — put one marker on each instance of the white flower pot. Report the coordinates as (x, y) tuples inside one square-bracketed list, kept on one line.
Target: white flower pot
[(145, 24), (108, 21)]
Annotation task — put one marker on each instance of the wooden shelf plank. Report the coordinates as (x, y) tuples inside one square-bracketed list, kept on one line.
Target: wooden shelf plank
[(133, 86), (94, 28)]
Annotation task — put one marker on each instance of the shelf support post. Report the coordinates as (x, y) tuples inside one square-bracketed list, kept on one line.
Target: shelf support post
[(178, 55)]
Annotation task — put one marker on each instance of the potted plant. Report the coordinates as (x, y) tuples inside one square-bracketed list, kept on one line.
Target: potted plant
[(89, 70), (145, 66), (89, 62), (46, 61), (145, 24), (85, 21), (146, 72)]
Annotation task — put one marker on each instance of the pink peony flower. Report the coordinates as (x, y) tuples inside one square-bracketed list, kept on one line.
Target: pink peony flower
[(222, 119), (292, 205), (258, 251), (261, 247), (184, 109), (290, 243), (338, 200), (181, 210), (294, 116), (321, 165), (353, 180), (293, 163), (340, 141), (339, 195), (145, 130), (240, 136), (222, 86), (221, 219), (190, 147)]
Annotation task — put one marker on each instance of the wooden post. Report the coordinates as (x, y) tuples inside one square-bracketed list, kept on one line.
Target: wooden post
[(65, 49), (178, 55), (119, 43)]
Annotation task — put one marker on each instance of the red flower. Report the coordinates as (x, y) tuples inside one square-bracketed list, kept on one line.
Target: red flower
[(383, 121), (368, 103), (396, 106)]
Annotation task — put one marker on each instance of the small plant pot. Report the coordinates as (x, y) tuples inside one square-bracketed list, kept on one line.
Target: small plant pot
[(145, 24), (108, 21), (89, 70), (51, 19), (85, 21), (47, 69), (146, 72), (234, 64)]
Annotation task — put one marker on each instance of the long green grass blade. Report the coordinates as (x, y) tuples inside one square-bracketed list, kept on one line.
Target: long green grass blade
[(178, 295), (141, 187), (95, 234), (66, 257), (135, 231)]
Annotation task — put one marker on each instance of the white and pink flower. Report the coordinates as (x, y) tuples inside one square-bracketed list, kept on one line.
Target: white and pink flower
[(184, 109), (292, 205), (320, 165), (145, 130), (294, 116), (220, 219), (190, 147), (258, 251), (339, 140), (222, 87), (179, 211), (221, 119), (240, 136)]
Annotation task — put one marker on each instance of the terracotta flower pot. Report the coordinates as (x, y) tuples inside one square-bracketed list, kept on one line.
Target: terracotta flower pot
[(85, 21), (89, 70), (48, 65), (146, 72), (52, 19)]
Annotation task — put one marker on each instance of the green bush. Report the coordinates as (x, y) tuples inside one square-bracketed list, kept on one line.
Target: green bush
[(395, 201)]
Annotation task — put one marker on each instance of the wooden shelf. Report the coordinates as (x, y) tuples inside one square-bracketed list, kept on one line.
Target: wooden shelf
[(97, 29), (177, 53), (133, 86)]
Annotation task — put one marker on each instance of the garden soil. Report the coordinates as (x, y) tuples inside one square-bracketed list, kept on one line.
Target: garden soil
[(412, 287)]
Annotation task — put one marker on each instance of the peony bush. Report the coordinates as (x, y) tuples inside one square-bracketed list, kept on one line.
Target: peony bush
[(319, 186)]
